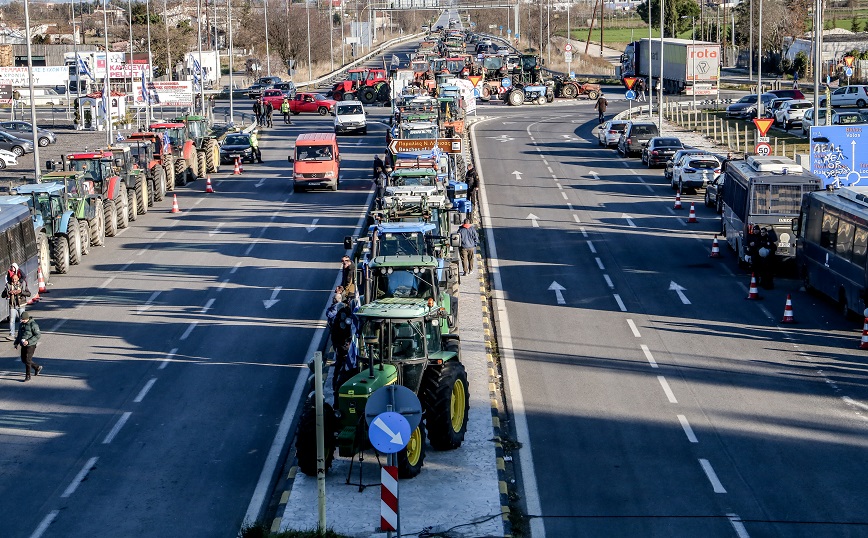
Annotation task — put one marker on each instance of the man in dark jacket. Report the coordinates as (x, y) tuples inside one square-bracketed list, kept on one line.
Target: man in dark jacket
[(601, 106), (16, 293), (472, 181), (28, 338), (469, 242)]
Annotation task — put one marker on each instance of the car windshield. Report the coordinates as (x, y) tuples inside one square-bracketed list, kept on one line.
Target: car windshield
[(236, 140), (643, 130), (618, 127), (313, 153), (413, 181), (849, 118), (748, 99), (350, 109), (704, 164), (319, 97), (404, 283), (492, 62)]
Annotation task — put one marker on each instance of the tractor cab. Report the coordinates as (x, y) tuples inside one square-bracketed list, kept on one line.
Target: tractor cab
[(413, 182), (176, 133), (197, 128), (141, 152), (46, 200), (95, 167)]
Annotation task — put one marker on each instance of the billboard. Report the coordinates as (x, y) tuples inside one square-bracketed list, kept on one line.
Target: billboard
[(839, 154), (42, 76), (165, 93)]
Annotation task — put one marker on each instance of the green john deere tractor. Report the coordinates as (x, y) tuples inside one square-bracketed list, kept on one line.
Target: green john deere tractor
[(399, 341), (207, 149)]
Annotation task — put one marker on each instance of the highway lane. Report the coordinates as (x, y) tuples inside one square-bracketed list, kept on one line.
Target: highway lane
[(167, 361), (623, 376)]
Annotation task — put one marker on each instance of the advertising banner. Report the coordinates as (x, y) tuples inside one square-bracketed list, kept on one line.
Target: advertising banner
[(165, 93), (42, 76)]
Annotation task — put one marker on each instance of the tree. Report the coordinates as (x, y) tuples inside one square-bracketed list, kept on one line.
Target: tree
[(676, 15), (855, 25)]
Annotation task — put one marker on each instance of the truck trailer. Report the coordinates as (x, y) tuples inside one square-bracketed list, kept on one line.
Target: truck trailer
[(687, 65)]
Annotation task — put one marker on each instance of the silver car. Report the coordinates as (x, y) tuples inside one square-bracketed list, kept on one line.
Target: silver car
[(609, 133), (23, 129)]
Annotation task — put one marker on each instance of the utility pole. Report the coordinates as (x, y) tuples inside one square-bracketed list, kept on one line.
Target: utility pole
[(150, 112), (169, 67), (231, 66), (660, 82), (36, 170), (107, 87), (267, 49)]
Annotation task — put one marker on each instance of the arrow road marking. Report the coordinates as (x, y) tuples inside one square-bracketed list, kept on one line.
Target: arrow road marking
[(396, 437), (629, 220), (502, 138), (595, 175), (312, 226), (533, 218), (149, 303), (517, 174), (274, 300), (557, 288), (680, 291), (259, 184)]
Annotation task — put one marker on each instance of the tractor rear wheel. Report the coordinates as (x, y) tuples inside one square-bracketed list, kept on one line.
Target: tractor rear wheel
[(84, 231), (159, 183), (212, 156), (593, 94), (367, 96), (305, 438), (133, 204), (569, 91), (152, 192), (75, 249), (446, 401), (44, 251), (516, 97), (123, 207), (110, 214), (142, 196), (60, 254), (193, 166), (180, 172), (202, 163), (411, 459), (97, 225)]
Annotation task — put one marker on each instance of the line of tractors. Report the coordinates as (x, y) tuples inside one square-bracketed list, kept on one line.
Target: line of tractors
[(86, 197)]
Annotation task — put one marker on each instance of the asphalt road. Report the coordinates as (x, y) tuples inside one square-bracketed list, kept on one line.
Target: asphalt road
[(645, 411)]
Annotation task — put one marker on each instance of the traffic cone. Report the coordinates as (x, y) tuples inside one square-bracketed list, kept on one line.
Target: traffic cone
[(788, 311), (692, 216), (237, 170), (753, 292), (175, 204), (208, 187), (40, 279), (240, 166), (864, 344), (678, 199), (715, 248)]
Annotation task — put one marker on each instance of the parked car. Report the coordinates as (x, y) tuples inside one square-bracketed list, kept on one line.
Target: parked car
[(695, 171), (273, 96), (667, 172), (789, 94), (660, 149), (255, 90), (237, 146), (854, 95), (791, 112), (41, 96), (311, 102), (24, 129), (269, 81), (610, 132), (745, 107), (17, 146), (636, 134), (839, 117), (7, 158), (774, 107), (714, 193)]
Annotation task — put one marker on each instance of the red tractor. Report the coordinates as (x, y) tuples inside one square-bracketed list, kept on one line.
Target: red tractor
[(186, 158), (157, 159), (367, 85), (99, 167)]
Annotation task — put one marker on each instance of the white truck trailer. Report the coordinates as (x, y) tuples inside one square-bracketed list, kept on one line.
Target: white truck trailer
[(688, 65)]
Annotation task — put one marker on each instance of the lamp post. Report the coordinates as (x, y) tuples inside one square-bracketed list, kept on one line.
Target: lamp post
[(637, 67), (150, 111), (200, 70), (759, 65), (660, 81), (169, 67), (267, 49), (107, 88), (36, 171), (309, 65), (231, 65)]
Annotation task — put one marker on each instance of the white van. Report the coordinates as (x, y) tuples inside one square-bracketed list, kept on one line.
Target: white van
[(350, 117), (42, 96)]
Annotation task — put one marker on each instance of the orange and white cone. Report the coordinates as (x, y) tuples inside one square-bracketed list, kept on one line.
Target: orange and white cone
[(788, 311), (240, 166), (753, 292), (677, 199), (175, 204), (715, 248), (237, 170), (40, 279), (692, 216), (864, 344), (208, 187)]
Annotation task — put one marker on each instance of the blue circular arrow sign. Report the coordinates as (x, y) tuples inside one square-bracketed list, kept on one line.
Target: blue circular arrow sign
[(506, 82), (848, 71), (389, 432), (630, 95)]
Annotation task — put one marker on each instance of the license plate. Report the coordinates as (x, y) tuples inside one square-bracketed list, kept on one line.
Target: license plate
[(234, 155)]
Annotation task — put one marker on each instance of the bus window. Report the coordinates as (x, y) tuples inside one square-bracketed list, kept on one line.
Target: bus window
[(860, 246), (844, 244), (813, 225), (830, 229)]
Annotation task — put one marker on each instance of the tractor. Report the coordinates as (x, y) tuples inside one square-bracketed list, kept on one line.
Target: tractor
[(85, 203), (207, 149), (140, 189), (66, 237), (142, 155), (99, 167), (399, 340), (161, 158), (184, 152), (367, 85), (571, 89)]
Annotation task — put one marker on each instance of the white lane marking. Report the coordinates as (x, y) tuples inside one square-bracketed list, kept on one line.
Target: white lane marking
[(261, 181), (679, 219), (558, 289), (649, 187), (216, 230), (591, 246), (570, 206), (149, 303), (70, 489), (620, 302), (561, 187), (57, 326), (160, 236), (235, 268), (550, 170), (584, 233), (117, 427), (712, 476), (533, 220), (207, 306), (139, 253), (532, 139), (851, 401), (670, 210), (576, 218), (168, 359), (609, 282), (595, 175), (600, 264), (145, 389), (250, 248), (43, 525), (665, 384), (274, 215), (106, 282), (649, 356), (633, 328), (312, 226), (189, 330), (222, 285), (688, 431), (199, 201), (564, 195), (629, 220), (738, 526), (127, 266), (546, 162), (268, 303)]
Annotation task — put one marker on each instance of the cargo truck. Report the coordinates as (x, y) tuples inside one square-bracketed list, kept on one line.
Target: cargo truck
[(682, 58)]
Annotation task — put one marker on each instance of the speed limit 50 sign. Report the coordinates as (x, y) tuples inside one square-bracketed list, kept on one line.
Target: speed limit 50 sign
[(763, 149)]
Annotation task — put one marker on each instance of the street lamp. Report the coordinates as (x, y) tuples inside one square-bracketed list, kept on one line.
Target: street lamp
[(32, 95), (660, 81)]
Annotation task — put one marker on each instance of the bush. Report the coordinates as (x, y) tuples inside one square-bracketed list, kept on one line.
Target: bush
[(800, 64)]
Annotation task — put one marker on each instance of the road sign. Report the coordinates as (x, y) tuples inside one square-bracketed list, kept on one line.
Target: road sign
[(389, 432), (474, 79), (568, 57), (568, 48), (763, 139), (506, 82), (492, 26), (762, 149), (763, 125), (402, 400), (848, 71), (448, 145), (836, 154), (629, 81), (848, 61), (475, 92), (630, 95)]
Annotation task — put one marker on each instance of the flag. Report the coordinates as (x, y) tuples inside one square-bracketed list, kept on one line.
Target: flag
[(82, 67), (167, 143), (103, 105), (146, 97)]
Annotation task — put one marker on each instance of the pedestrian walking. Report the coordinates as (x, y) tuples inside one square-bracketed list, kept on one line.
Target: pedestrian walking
[(16, 294), (766, 251), (269, 114), (795, 80), (380, 184), (15, 270), (601, 106), (472, 180), (28, 338), (640, 89), (467, 249), (284, 109), (378, 165)]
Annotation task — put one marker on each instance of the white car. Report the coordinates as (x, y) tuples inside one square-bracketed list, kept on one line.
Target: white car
[(854, 95), (695, 171), (350, 117), (791, 112), (609, 133), (7, 158)]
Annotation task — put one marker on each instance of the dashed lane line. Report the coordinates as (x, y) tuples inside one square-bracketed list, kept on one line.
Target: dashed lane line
[(620, 302), (600, 264), (667, 389), (70, 489), (609, 282), (145, 389), (592, 247), (169, 356), (738, 526), (207, 306), (712, 476), (189, 330), (649, 356), (633, 328), (116, 428), (688, 431), (45, 523)]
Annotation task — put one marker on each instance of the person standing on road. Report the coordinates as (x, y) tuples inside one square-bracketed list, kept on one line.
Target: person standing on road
[(795, 80), (380, 184), (16, 293), (766, 253), (640, 90), (726, 161), (15, 270), (347, 276), (254, 144), (257, 111), (28, 338), (284, 109), (269, 114), (600, 107), (469, 242), (472, 180)]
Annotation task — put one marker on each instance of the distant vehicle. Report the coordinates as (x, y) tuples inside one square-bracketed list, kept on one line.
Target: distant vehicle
[(745, 108), (269, 81), (667, 172), (714, 193), (839, 117), (236, 146), (273, 96), (7, 158), (255, 90), (41, 96), (350, 117), (311, 102), (792, 112), (288, 88), (772, 109), (24, 129), (610, 132), (789, 94), (855, 95), (680, 56), (17, 146), (636, 134), (695, 171), (659, 149)]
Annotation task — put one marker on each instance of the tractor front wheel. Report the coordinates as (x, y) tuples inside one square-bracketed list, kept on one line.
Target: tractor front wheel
[(202, 163), (593, 94), (110, 214), (142, 196), (60, 254), (74, 237), (305, 438), (516, 97), (44, 251), (97, 225), (212, 156), (569, 91), (446, 401), (123, 209), (411, 459), (180, 172)]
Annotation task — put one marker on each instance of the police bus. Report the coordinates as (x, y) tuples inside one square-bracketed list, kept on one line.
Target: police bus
[(832, 235), (17, 245), (766, 191)]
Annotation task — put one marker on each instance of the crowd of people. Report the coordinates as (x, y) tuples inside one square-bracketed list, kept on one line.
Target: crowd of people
[(23, 329)]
